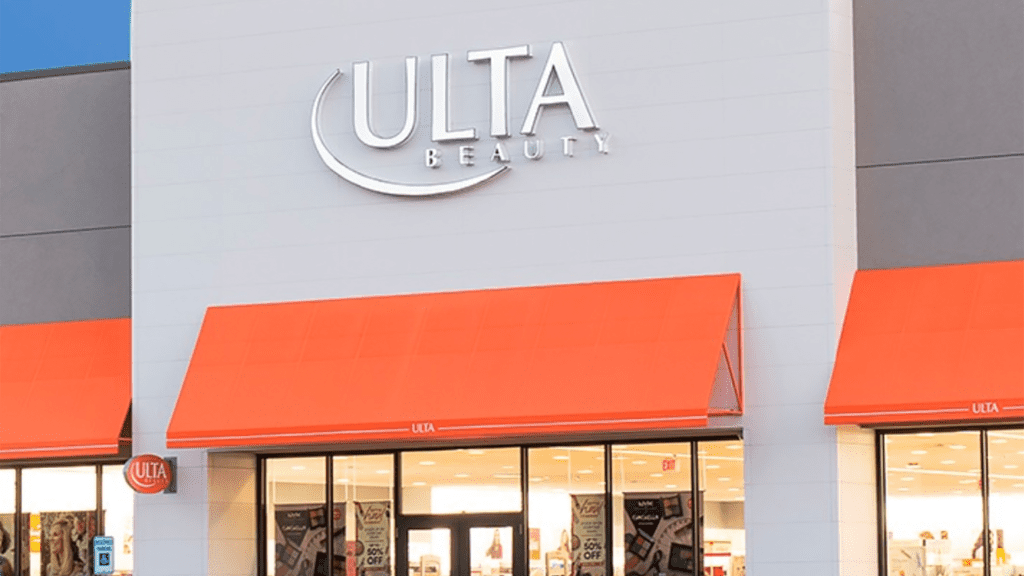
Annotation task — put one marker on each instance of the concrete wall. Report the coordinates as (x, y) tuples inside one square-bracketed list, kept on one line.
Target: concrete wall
[(65, 198), (940, 131), (731, 130)]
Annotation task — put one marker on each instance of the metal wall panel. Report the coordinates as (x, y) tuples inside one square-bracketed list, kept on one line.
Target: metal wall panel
[(940, 131), (941, 213), (65, 152), (938, 79), (65, 198), (66, 276)]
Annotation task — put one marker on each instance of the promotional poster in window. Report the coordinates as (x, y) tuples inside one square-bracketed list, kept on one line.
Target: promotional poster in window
[(588, 530), (300, 541), (373, 538), (65, 547), (8, 547), (659, 533)]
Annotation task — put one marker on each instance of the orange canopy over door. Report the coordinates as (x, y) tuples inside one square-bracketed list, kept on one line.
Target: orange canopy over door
[(486, 363), (931, 345), (65, 388)]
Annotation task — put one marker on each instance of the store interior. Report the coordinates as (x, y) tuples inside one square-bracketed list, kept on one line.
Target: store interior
[(58, 507), (934, 502)]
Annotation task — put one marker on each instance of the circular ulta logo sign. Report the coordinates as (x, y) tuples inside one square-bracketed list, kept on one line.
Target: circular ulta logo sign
[(148, 473)]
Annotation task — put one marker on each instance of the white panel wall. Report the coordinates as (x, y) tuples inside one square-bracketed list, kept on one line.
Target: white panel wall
[(731, 151)]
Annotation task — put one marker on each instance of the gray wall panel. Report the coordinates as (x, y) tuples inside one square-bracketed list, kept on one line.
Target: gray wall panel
[(65, 152), (941, 213), (68, 276), (938, 79)]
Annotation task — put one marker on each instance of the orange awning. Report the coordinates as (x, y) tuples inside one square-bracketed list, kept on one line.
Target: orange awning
[(477, 364), (931, 345), (65, 388)]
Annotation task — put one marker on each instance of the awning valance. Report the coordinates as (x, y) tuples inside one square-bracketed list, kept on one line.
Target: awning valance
[(65, 388), (475, 364), (931, 345)]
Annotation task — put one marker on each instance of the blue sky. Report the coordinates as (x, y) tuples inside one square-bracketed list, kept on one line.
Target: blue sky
[(39, 34)]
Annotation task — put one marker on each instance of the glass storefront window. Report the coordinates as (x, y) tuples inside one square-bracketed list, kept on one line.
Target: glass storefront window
[(7, 510), (652, 509), (721, 481), (629, 507), (566, 485), (61, 503), (933, 502), (461, 481), (118, 517), (1006, 499), (363, 489), (430, 552), (297, 516)]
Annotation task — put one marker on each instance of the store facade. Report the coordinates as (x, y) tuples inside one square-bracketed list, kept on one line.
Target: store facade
[(540, 288), (64, 446), (357, 232), (410, 263), (65, 293), (930, 359)]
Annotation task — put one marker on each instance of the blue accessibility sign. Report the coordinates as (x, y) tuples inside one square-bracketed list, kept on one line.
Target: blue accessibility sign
[(102, 555)]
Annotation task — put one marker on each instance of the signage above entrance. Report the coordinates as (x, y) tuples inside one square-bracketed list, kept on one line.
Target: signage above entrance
[(149, 474), (499, 152)]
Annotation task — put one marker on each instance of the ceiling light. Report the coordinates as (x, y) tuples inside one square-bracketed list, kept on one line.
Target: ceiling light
[(999, 441), (948, 462), (419, 483), (462, 475), (918, 452), (713, 466), (427, 462), (657, 475), (476, 452), (926, 434), (1010, 466), (341, 457), (958, 491), (724, 479), (382, 471), (957, 447), (639, 462), (535, 479), (298, 468), (904, 489), (585, 471), (508, 467), (734, 447), (343, 481), (968, 481), (1018, 485), (907, 478), (702, 452), (670, 486), (734, 489), (560, 457), (974, 471)]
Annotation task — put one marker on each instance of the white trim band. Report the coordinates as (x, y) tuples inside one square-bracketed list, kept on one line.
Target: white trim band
[(174, 441), (58, 448)]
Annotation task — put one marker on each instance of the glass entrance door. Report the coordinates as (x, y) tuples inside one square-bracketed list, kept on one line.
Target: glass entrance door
[(463, 545)]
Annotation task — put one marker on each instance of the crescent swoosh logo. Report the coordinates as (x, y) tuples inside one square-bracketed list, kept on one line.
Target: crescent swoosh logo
[(377, 184)]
